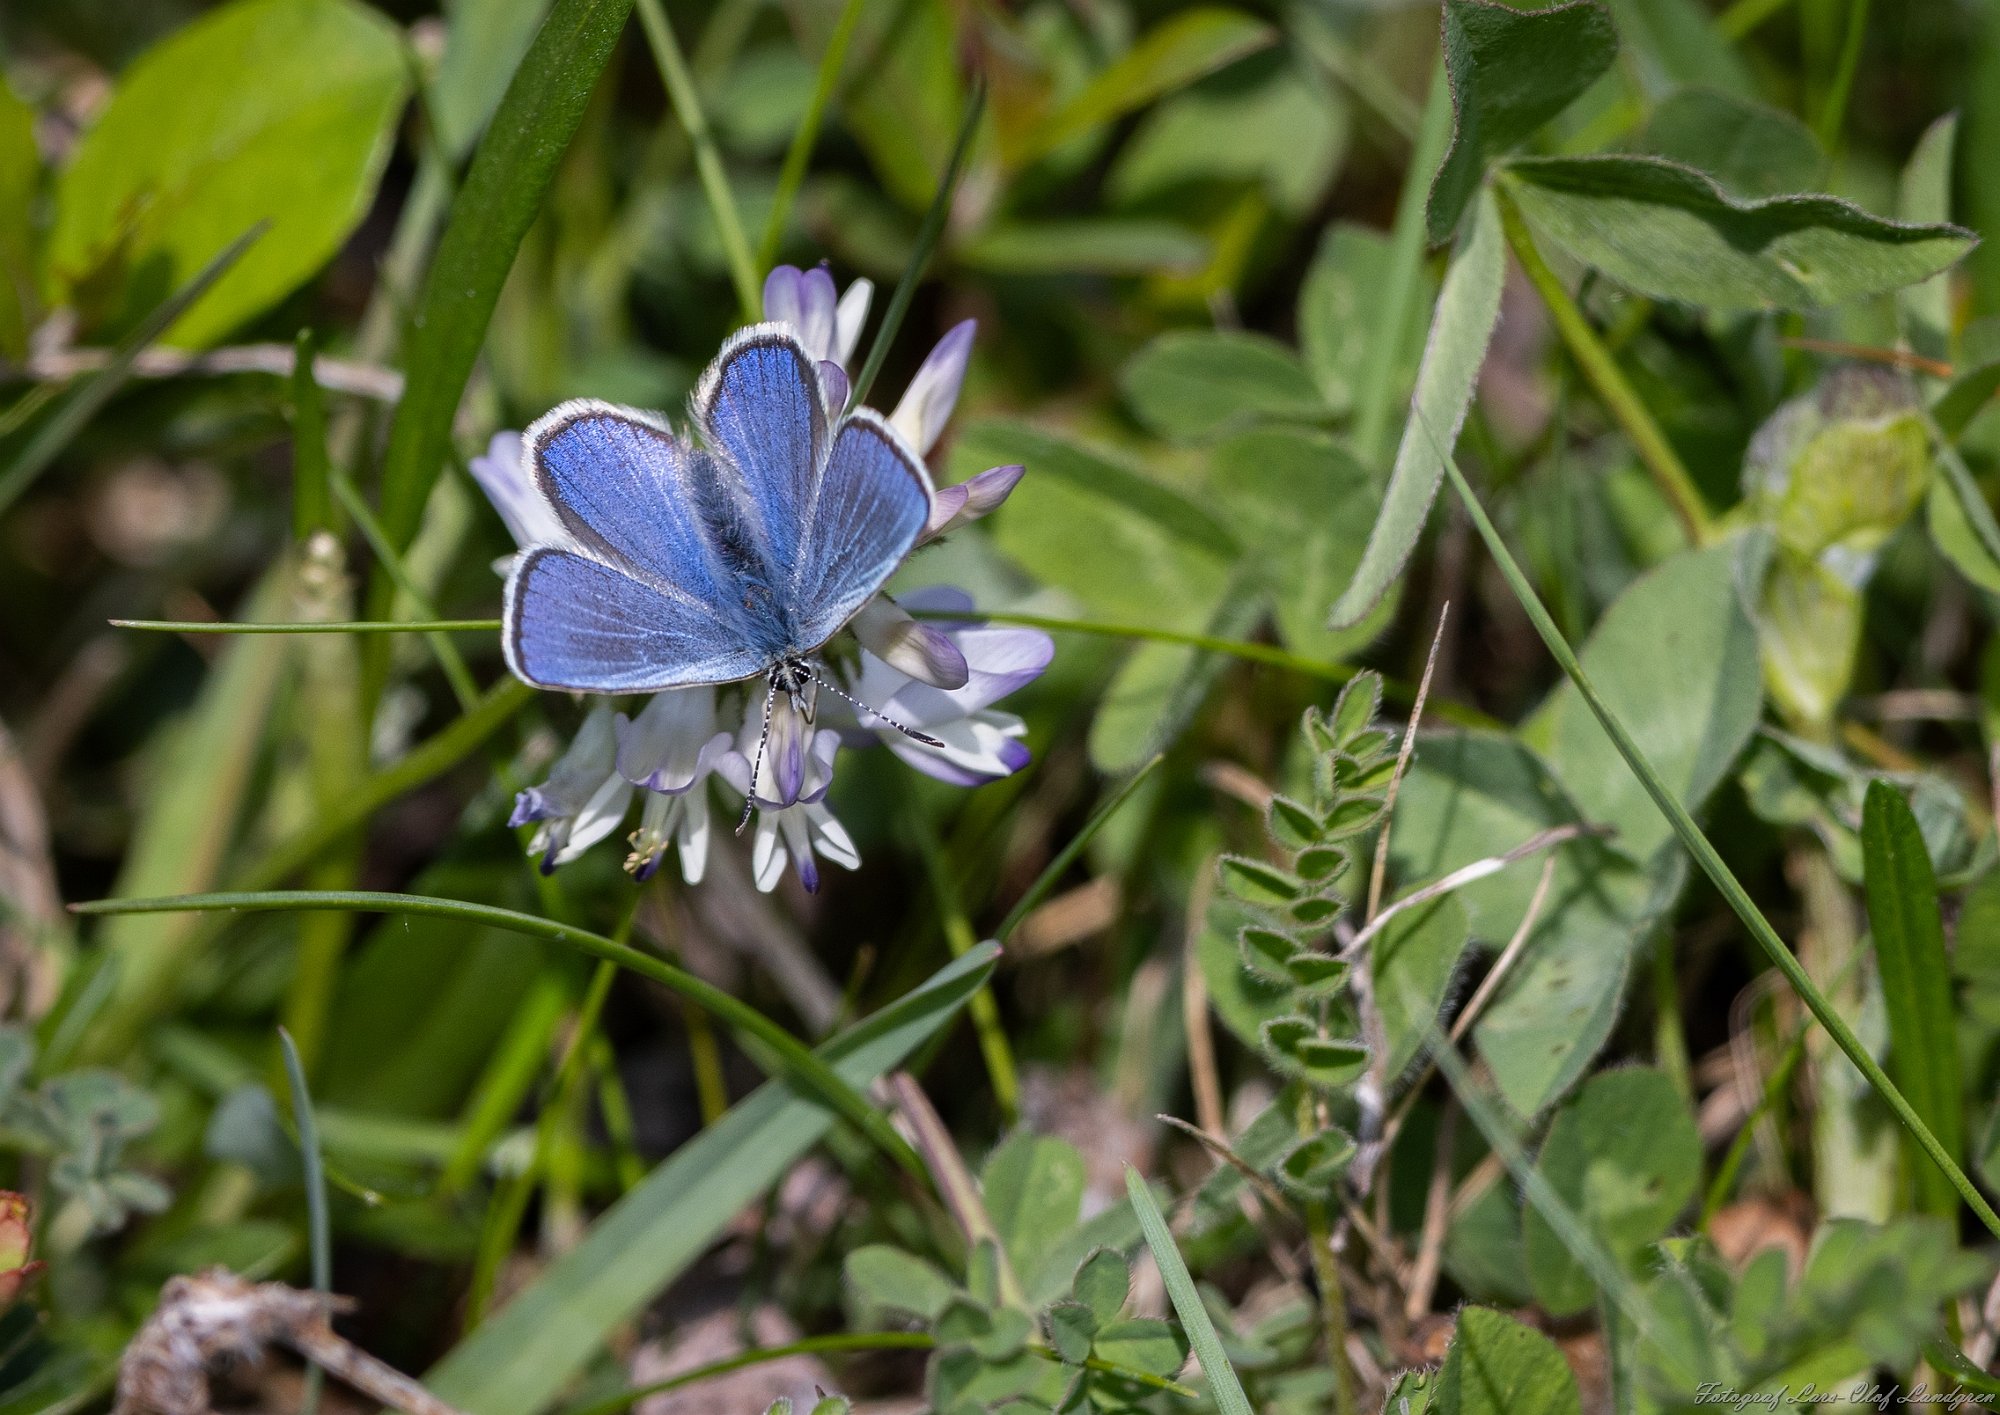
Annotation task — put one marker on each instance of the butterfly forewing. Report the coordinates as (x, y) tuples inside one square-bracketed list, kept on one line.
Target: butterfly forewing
[(759, 405), (574, 622)]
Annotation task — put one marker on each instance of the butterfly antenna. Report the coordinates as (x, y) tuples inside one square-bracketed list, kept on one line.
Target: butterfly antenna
[(825, 680), (757, 762)]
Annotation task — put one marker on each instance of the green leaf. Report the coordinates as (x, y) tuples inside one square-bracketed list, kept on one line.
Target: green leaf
[(1134, 587), (1624, 1155), (1169, 56), (1511, 71), (1467, 310), (1102, 1283), (1496, 1366), (1410, 1393), (1192, 384), (1966, 398), (1412, 961), (1099, 245), (1677, 44), (1751, 149), (502, 192), (1903, 918), (1924, 195), (1670, 232), (520, 1358), (1070, 1326), (1223, 1386), (1343, 306), (885, 1279), (1287, 134), (1294, 1045), (1267, 951), (1033, 1188), (1256, 882), (1302, 505), (203, 138), (1310, 1169), (1953, 533), (1676, 659), (20, 178), (1469, 795)]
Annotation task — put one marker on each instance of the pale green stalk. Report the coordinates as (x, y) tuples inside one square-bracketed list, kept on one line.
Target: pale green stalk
[(1712, 864), (793, 173), (682, 93)]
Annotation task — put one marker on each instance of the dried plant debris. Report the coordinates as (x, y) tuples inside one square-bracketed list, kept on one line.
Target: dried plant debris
[(216, 1318)]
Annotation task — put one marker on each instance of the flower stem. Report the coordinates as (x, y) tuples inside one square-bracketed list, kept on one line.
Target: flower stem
[(707, 160), (1656, 454)]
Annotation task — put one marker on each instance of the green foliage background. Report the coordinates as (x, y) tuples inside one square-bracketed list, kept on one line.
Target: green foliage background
[(1480, 1097)]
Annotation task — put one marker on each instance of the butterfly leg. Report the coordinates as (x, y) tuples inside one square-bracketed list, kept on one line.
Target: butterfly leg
[(757, 762)]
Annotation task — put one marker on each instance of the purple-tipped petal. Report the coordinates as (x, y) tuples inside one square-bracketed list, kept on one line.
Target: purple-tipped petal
[(985, 491), (946, 507), (530, 806), (808, 872), (783, 303), (1016, 755), (927, 403), (833, 379), (922, 651), (817, 303)]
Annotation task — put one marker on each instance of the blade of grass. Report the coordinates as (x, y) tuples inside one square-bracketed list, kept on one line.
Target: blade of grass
[(503, 190), (533, 1347), (793, 172), (928, 236), (352, 626), (1223, 1386), (1712, 864), (318, 1233), (797, 1061), (1902, 893), (68, 420), (1056, 868), (686, 99)]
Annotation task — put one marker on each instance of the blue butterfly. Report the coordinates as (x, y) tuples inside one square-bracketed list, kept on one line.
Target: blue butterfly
[(738, 557)]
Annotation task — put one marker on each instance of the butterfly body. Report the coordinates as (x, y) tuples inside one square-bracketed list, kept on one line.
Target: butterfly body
[(735, 557)]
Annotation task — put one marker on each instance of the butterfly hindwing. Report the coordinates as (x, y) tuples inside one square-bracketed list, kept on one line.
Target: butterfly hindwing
[(577, 623)]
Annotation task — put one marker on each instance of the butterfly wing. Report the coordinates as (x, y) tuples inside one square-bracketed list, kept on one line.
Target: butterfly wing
[(869, 505), (834, 509), (661, 587), (573, 622)]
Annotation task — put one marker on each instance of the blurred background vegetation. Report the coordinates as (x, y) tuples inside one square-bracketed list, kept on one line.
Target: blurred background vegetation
[(1195, 238)]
